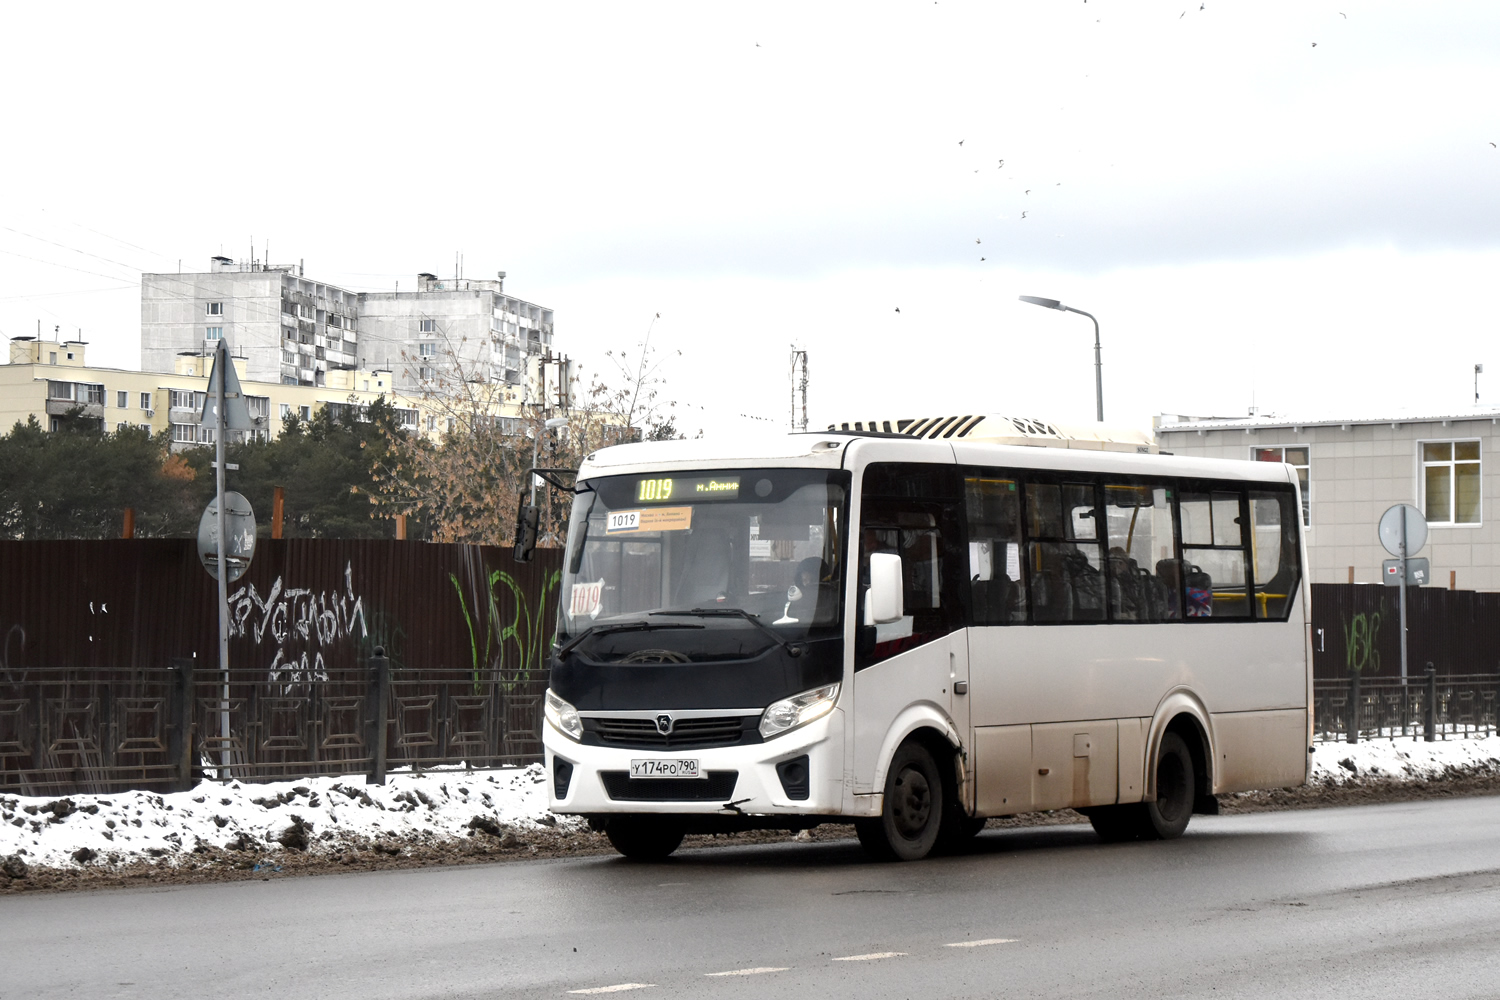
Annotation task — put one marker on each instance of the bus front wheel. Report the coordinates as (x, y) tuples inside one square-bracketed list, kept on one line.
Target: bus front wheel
[(644, 838), (911, 816)]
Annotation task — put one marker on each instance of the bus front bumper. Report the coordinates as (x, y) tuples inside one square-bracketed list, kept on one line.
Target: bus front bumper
[(738, 780)]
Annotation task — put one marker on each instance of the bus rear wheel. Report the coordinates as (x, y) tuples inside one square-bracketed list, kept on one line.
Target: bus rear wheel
[(644, 838), (1167, 817), (912, 813)]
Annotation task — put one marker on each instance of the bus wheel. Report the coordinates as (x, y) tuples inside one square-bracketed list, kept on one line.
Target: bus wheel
[(1168, 816), (1115, 824), (644, 838), (908, 825)]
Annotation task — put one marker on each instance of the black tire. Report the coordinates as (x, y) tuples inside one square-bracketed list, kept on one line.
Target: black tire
[(1168, 816), (912, 815), (644, 838), (1164, 819)]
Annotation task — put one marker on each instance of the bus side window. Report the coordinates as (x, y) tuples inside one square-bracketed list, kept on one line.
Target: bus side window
[(1064, 562), (913, 510), (1144, 577), (1276, 556), (1215, 562), (997, 585)]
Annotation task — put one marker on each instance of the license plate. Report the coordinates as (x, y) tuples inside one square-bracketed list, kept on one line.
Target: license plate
[(664, 769)]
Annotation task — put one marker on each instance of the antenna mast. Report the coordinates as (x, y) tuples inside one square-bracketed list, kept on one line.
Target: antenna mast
[(799, 387)]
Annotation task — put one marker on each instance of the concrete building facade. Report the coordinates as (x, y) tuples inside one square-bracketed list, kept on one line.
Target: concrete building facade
[(49, 380), (1354, 469), (292, 330)]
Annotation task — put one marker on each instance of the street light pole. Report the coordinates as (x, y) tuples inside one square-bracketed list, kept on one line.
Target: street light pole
[(1098, 357)]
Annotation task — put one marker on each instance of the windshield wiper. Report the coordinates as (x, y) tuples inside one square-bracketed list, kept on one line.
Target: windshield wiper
[(567, 647), (792, 648)]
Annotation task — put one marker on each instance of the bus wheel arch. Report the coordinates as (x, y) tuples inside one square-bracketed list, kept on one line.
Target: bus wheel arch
[(921, 811), (1182, 713)]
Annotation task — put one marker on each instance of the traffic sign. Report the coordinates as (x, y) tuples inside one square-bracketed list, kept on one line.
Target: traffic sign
[(239, 536), (1390, 530), (236, 411), (1418, 572)]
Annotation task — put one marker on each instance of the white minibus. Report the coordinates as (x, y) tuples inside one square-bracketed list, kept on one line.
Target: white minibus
[(916, 631)]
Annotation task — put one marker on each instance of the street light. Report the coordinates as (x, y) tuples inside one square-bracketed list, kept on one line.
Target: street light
[(1098, 364)]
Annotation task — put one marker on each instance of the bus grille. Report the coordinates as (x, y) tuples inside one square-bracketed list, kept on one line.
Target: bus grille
[(716, 785), (686, 733)]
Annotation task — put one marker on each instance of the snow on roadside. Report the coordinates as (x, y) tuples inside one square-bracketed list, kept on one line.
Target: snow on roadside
[(1403, 759), (122, 827)]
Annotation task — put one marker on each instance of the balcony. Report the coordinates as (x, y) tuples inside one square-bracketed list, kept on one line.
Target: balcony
[(62, 407)]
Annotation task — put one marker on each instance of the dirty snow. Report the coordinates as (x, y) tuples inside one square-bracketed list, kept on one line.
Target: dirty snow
[(432, 806), (121, 827), (1402, 759)]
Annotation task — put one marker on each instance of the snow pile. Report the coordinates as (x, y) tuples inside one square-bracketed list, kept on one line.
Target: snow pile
[(1403, 759), (303, 814)]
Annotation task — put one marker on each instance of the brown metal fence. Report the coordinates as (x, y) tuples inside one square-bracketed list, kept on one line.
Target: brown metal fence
[(109, 660), (1356, 630)]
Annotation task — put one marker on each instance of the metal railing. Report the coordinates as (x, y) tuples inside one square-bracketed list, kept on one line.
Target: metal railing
[(1434, 707), (68, 730)]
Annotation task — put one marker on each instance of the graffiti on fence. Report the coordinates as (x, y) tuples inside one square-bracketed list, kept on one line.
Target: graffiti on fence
[(527, 629), (293, 615), (1361, 632)]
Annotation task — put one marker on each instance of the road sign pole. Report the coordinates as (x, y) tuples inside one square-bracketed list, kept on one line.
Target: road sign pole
[(1403, 598), (223, 574)]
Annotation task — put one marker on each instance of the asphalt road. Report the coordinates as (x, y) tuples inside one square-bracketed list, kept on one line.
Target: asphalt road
[(1375, 901)]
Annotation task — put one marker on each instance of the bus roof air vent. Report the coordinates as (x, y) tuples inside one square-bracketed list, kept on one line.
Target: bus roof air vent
[(995, 428)]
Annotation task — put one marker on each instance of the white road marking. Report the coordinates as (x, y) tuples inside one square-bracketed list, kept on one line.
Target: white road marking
[(871, 957), (980, 943), (617, 988), (750, 972)]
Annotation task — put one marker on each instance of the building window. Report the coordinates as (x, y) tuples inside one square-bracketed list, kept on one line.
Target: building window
[(51, 357), (121, 427), (431, 422), (428, 350), (304, 412), (427, 326), (122, 398), (146, 401), (1450, 482), (146, 428), (425, 374), (1296, 456), (213, 333), (185, 399), (405, 417), (286, 410), (185, 433), (215, 308)]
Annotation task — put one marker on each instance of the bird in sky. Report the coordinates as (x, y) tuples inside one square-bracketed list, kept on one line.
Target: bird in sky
[(898, 308), (960, 142), (976, 240), (1343, 15), (1497, 147), (1315, 44), (981, 259), (1023, 215), (1002, 163), (1182, 15), (1028, 190)]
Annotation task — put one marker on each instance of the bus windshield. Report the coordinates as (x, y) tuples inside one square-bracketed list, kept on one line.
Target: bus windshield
[(768, 542)]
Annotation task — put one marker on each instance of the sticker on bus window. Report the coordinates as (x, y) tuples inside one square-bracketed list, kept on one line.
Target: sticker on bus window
[(585, 598), (625, 522), (1013, 561)]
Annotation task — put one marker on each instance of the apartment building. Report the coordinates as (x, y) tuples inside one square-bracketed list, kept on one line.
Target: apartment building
[(292, 330), (49, 380)]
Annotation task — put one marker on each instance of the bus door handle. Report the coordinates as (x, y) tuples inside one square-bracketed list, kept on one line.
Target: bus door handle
[(960, 687)]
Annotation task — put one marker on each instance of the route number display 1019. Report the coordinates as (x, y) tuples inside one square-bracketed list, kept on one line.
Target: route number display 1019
[(663, 489)]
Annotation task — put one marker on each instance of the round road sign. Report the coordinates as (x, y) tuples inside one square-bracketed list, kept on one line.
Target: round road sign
[(1390, 530), (239, 532)]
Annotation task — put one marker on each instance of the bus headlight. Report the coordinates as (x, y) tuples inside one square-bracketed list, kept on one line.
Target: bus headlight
[(564, 717), (798, 710)]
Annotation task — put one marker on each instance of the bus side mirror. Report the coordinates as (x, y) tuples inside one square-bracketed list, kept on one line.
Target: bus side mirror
[(883, 603), (527, 519)]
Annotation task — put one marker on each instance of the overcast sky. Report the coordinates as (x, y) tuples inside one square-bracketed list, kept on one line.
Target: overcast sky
[(1296, 204)]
